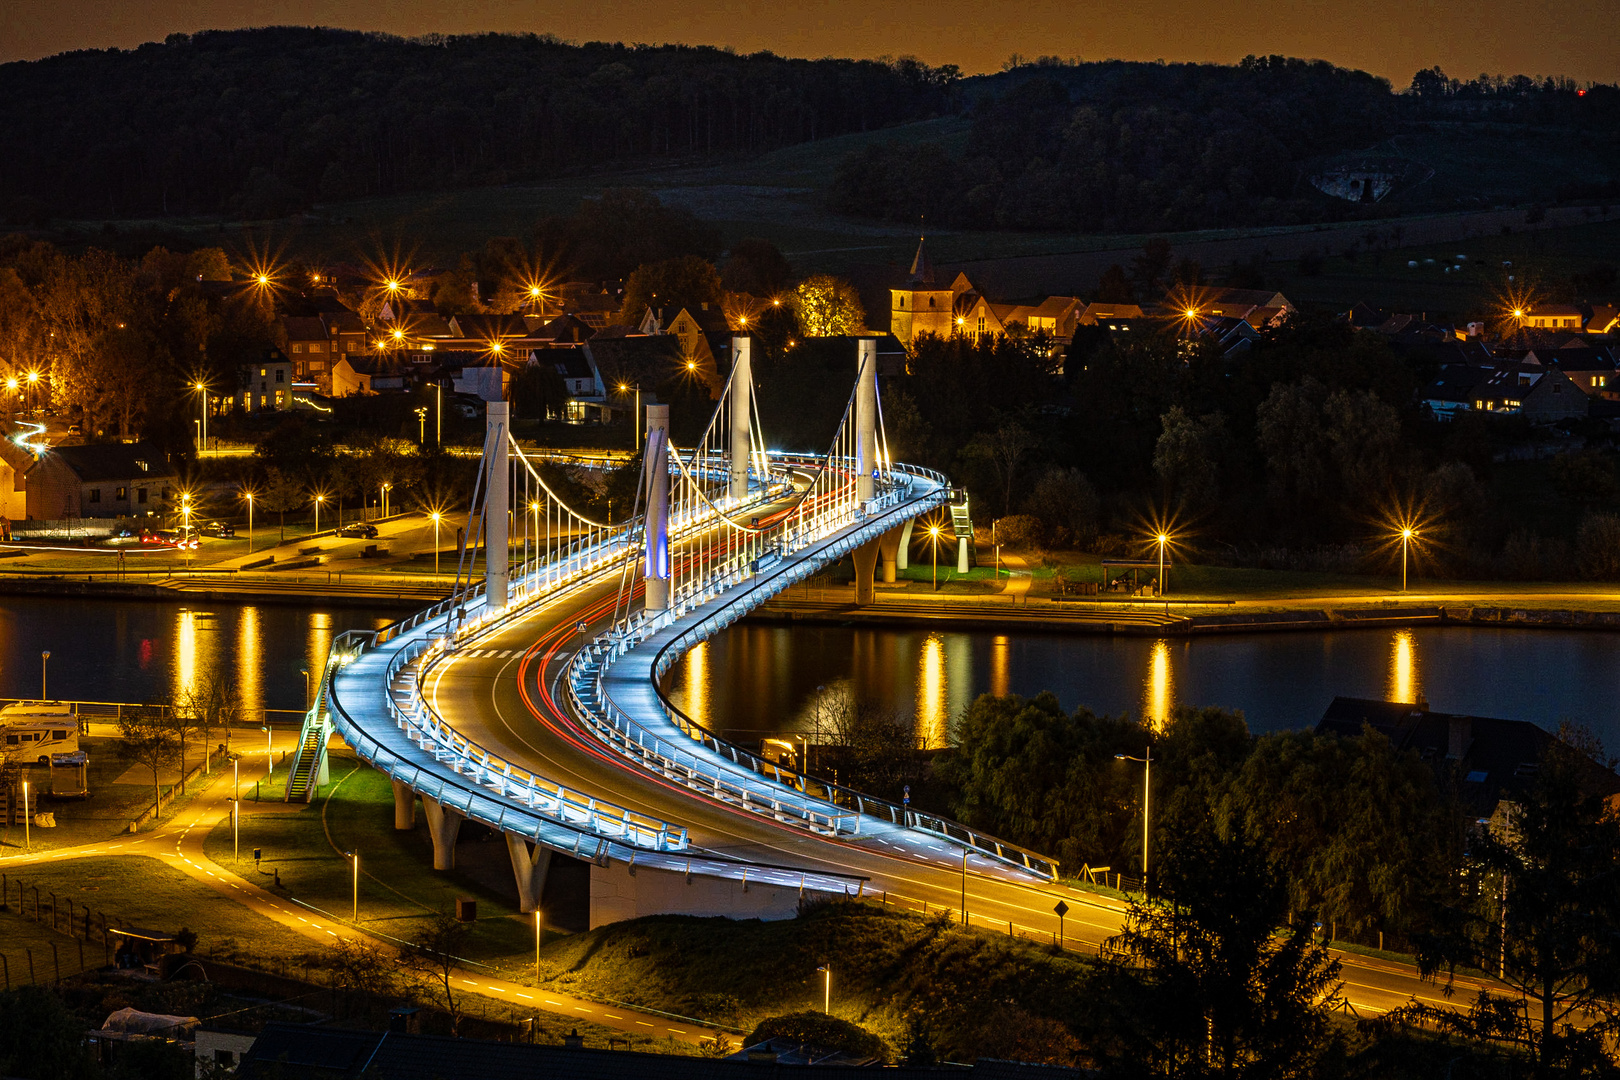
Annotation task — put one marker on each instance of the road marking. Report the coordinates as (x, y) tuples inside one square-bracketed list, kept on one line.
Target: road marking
[(681, 1031), (643, 1023), (525, 997)]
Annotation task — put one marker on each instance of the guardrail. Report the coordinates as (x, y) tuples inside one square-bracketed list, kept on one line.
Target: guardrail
[(821, 806)]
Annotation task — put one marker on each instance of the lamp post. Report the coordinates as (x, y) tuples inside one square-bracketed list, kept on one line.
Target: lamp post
[(29, 399), (438, 414), (248, 495), (964, 887), (1406, 538), (318, 500), (202, 388), (44, 668), (355, 855), (269, 762), (28, 834), (421, 425), (1163, 539), (826, 992), (635, 421), (1147, 775), (537, 946), (933, 536), (304, 671), (436, 516), (236, 808)]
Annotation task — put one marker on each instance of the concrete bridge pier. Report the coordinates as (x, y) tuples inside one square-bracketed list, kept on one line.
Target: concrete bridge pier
[(902, 558), (530, 865), (404, 806), (444, 825), (620, 892), (866, 561)]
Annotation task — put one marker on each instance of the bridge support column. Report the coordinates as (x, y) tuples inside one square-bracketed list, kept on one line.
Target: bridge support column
[(866, 419), (865, 558), (444, 825), (404, 807), (889, 546), (962, 543), (530, 867), (497, 502), (902, 558), (619, 893), (655, 497), (742, 399)]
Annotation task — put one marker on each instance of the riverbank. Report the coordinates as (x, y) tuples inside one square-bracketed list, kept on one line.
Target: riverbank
[(835, 605), (329, 590)]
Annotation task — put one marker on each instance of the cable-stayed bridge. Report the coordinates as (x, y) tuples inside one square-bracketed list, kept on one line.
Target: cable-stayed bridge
[(529, 700)]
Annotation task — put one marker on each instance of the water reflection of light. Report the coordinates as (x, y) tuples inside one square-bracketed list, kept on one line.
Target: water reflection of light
[(1160, 688), (249, 657), (697, 683), (185, 652), (932, 714), (1000, 678), (320, 643), (1404, 684)]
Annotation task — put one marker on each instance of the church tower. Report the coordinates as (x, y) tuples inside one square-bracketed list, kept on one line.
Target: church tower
[(921, 306)]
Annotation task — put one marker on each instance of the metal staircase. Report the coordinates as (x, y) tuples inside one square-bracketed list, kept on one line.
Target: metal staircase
[(962, 525), (307, 763)]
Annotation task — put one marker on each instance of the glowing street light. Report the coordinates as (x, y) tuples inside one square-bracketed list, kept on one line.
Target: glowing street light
[(319, 499), (44, 663), (1406, 539), (1163, 539), (248, 495), (933, 538), (202, 388), (436, 516), (826, 991), (1147, 775), (635, 438)]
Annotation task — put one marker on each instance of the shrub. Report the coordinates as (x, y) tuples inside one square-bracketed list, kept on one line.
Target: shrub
[(1597, 547), (1019, 531), (822, 1032)]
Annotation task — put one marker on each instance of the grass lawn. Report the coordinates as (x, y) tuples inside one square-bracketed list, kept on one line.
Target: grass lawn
[(886, 965), (138, 890), (399, 890)]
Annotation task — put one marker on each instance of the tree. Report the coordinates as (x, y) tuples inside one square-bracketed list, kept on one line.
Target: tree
[(212, 702), (147, 737), (1187, 457), (40, 1037), (1004, 447), (757, 267), (435, 955), (1067, 506), (1539, 908), (281, 494), (685, 282), (1597, 547), (827, 306), (1202, 983)]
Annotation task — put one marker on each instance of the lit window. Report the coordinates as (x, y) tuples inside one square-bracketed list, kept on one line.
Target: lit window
[(297, 347)]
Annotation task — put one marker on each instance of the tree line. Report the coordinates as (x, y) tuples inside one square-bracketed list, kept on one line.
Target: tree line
[(263, 122)]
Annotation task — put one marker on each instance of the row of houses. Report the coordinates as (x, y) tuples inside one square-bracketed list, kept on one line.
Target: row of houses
[(102, 480), (921, 305)]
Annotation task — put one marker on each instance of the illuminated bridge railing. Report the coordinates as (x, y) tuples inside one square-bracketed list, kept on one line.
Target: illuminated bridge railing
[(753, 782)]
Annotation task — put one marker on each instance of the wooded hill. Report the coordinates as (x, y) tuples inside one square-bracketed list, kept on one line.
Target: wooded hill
[(264, 122)]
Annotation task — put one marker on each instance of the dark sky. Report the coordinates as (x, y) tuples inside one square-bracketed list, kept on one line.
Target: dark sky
[(1392, 38)]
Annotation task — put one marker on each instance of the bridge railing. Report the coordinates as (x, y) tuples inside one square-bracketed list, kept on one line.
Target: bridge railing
[(819, 801)]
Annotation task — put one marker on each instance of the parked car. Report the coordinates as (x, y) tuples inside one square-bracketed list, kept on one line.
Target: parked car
[(187, 536), (360, 529), (222, 529)]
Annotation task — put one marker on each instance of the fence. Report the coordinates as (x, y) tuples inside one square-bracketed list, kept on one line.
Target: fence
[(86, 711)]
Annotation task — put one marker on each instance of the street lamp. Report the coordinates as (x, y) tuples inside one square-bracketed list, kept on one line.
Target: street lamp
[(355, 855), (421, 425), (44, 666), (236, 807), (826, 993), (202, 388), (1147, 774), (28, 401), (269, 761), (28, 835), (318, 500), (1163, 538), (248, 495), (1406, 538), (933, 536), (436, 517), (304, 671), (537, 921), (635, 438)]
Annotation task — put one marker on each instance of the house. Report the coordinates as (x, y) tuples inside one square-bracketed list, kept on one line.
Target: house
[(373, 373), (102, 480), (265, 383), (1551, 317), (1537, 392), (1592, 369), (304, 340), (14, 465), (921, 306), (1116, 317), (1603, 319), (1056, 316), (1489, 763), (1458, 388), (1229, 335), (587, 394), (476, 374)]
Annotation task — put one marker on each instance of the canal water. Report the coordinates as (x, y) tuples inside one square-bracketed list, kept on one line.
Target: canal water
[(756, 680), (146, 652)]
